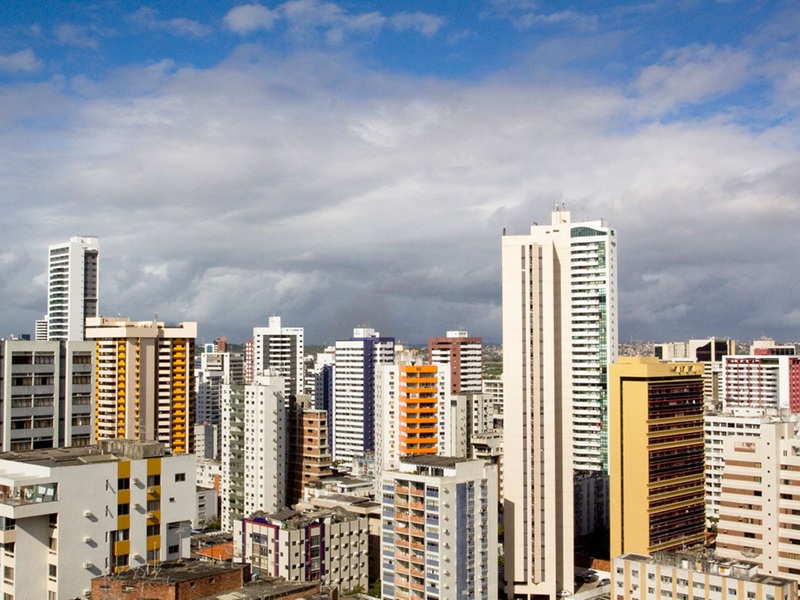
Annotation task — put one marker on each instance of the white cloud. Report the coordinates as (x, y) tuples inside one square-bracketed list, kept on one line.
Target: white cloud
[(524, 14), (24, 61), (148, 18), (423, 23), (307, 17), (692, 74), (75, 35), (247, 18)]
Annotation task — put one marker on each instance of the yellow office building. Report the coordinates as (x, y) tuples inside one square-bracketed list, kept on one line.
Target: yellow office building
[(656, 467)]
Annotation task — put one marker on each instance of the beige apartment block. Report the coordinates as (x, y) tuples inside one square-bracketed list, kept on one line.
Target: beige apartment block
[(759, 514)]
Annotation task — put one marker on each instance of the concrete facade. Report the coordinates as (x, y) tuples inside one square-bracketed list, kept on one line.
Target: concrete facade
[(56, 537)]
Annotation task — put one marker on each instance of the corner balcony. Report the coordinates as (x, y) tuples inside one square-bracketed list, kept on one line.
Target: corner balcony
[(29, 499)]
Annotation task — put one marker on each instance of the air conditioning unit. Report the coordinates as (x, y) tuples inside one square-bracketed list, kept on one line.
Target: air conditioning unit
[(87, 565), (87, 513), (151, 490), (87, 539)]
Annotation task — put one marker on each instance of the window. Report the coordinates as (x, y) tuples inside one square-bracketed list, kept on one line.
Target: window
[(180, 477), (123, 509), (153, 480), (175, 549), (43, 359), (153, 530), (52, 571), (124, 483), (8, 573)]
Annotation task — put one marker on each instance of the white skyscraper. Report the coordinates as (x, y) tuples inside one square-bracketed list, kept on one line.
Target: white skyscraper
[(559, 335), (278, 350), (354, 391), (72, 287), (254, 448)]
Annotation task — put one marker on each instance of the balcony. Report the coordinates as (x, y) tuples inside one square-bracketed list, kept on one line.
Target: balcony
[(18, 501)]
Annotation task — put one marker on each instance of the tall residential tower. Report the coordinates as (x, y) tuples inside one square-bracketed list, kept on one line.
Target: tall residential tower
[(144, 381), (559, 336), (72, 287)]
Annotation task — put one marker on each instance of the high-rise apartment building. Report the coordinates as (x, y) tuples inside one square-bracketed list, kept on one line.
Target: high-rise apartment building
[(414, 414), (657, 455), (460, 354), (231, 481), (72, 287), (439, 529), (309, 457), (45, 394), (720, 425), (761, 381), (144, 381), (216, 369), (354, 391), (559, 336), (278, 351), (254, 448), (68, 515), (759, 513)]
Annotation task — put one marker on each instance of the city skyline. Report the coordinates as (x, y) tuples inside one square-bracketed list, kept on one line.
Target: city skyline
[(353, 164)]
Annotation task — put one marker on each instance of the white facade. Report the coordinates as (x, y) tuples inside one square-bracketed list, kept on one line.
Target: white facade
[(758, 381), (559, 336), (493, 389), (593, 294), (232, 456), (209, 473), (72, 287), (741, 422), (439, 537), (56, 537), (206, 440), (43, 385), (353, 412), (684, 576), (254, 448), (759, 514), (206, 506), (278, 350)]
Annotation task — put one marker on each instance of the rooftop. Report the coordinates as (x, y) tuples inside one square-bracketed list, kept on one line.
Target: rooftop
[(430, 460), (176, 571), (105, 451), (704, 561)]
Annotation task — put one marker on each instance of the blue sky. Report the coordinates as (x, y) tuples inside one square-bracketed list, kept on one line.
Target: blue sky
[(353, 163)]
